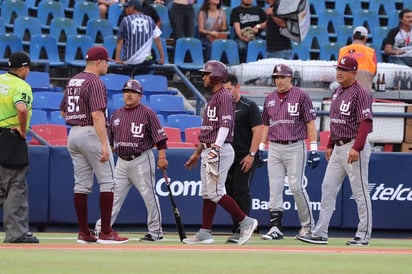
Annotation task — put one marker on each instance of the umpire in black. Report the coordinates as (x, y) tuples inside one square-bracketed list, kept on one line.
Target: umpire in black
[(247, 134)]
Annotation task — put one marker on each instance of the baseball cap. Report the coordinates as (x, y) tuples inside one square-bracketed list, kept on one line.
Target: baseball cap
[(134, 85), (97, 53), (282, 70), (19, 59), (360, 31), (348, 63), (133, 3)]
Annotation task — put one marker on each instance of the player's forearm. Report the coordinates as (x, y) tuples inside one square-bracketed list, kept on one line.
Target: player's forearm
[(256, 138), (99, 123)]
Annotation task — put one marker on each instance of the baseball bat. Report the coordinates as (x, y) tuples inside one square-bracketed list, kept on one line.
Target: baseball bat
[(176, 213)]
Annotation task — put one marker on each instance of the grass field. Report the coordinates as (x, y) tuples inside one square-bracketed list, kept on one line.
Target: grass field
[(59, 253)]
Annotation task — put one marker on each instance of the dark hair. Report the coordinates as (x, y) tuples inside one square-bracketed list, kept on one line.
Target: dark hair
[(232, 79), (205, 6), (402, 13), (358, 36)]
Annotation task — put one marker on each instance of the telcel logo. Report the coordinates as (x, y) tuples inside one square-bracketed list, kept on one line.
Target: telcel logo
[(383, 193)]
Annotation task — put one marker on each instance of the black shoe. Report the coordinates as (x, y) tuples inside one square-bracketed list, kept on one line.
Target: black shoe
[(27, 238), (357, 241), (312, 239), (150, 238)]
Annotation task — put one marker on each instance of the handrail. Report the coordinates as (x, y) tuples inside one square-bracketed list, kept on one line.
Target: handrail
[(39, 138), (200, 99)]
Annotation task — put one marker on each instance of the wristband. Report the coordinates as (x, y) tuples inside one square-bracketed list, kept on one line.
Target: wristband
[(262, 146), (313, 146)]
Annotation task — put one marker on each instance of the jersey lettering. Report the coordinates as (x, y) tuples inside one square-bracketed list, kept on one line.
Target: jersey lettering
[(136, 130), (344, 108), (72, 103), (211, 114), (293, 109)]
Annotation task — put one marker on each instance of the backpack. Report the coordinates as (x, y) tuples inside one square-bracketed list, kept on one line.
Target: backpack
[(297, 16)]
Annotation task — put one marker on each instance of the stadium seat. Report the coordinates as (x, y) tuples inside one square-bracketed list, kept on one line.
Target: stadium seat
[(114, 15), (117, 102), (114, 82), (44, 50), (393, 18), (39, 116), (9, 43), (109, 43), (2, 26), (98, 29), (348, 8), (56, 118), (378, 35), (47, 100), (161, 119), (323, 139), (76, 53), (256, 49), (165, 51), (191, 135), (345, 35), (173, 134), (168, 104), (61, 29), (191, 47), (222, 48), (154, 84), (166, 29), (25, 27), (329, 51), (48, 10), (331, 19), (183, 121), (11, 9), (316, 36), (55, 135), (162, 11), (39, 81), (300, 51), (367, 18), (179, 145), (83, 12)]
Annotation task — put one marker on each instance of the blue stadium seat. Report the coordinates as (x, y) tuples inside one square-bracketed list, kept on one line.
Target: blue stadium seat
[(56, 118), (114, 82), (76, 53), (345, 34), (367, 18), (44, 50), (331, 19), (162, 11), (168, 105), (329, 51), (39, 81), (49, 10), (114, 15), (2, 26), (154, 84), (61, 29), (393, 18), (26, 27), (165, 51), (228, 48), (316, 36), (39, 116), (9, 43), (348, 8), (183, 121), (192, 47), (47, 100), (300, 51), (11, 9), (256, 49), (166, 29), (98, 29), (84, 11)]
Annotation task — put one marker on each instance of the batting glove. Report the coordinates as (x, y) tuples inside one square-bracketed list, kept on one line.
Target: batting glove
[(313, 159), (213, 161)]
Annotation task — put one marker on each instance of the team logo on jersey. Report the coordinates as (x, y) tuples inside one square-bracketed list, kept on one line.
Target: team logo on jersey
[(212, 114), (140, 25), (344, 108), (271, 103), (136, 130), (293, 109)]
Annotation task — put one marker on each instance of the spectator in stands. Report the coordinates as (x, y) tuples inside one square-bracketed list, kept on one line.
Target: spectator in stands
[(248, 22), (277, 46), (104, 6), (182, 18), (148, 9), (366, 57), (246, 138), (15, 114), (398, 42), (135, 36), (211, 23)]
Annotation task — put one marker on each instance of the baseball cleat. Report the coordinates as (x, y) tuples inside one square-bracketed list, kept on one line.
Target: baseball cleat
[(273, 234), (203, 236), (357, 241), (111, 238), (27, 238), (84, 238), (150, 238), (312, 239), (247, 227), (303, 232), (233, 239)]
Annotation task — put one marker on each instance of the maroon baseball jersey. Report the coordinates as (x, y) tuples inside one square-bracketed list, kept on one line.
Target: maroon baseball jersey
[(287, 118), (85, 93), (219, 112), (135, 130), (349, 107)]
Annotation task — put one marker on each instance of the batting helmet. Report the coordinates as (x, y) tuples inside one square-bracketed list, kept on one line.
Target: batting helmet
[(217, 70), (133, 85), (282, 70)]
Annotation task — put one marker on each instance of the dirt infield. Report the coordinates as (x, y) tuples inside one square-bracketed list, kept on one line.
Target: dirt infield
[(219, 248)]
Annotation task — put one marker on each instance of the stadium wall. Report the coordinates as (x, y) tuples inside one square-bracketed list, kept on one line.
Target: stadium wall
[(51, 180)]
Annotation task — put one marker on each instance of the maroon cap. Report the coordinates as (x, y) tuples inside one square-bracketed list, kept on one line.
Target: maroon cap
[(348, 63), (97, 53), (133, 85), (282, 70)]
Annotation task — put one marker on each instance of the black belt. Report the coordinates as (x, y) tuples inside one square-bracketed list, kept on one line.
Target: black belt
[(130, 157), (209, 145), (285, 142), (342, 141)]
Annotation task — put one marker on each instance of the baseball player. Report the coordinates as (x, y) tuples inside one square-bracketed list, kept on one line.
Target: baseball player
[(84, 106), (288, 119), (134, 130), (246, 138), (16, 100), (347, 153), (216, 151), (135, 36)]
